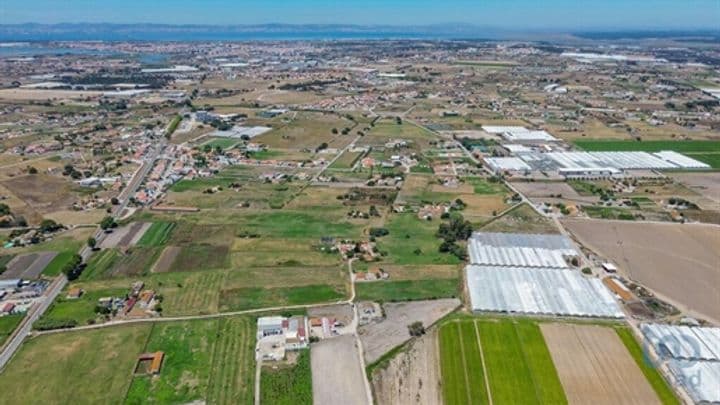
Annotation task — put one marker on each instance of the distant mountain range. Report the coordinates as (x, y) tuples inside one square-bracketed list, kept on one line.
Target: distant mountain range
[(167, 32)]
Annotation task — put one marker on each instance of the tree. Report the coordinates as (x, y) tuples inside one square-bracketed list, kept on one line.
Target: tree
[(91, 242), (32, 170), (48, 225), (114, 201), (107, 223), (416, 329)]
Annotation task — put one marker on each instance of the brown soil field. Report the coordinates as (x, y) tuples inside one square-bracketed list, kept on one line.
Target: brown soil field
[(41, 192), (546, 190), (411, 377), (707, 184), (125, 236), (166, 259), (677, 261), (595, 367), (40, 94), (28, 266), (380, 337), (337, 377)]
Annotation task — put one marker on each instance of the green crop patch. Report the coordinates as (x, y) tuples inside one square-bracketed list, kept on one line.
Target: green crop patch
[(596, 145), (157, 235), (237, 299), (407, 290), (8, 323), (507, 356), (288, 384)]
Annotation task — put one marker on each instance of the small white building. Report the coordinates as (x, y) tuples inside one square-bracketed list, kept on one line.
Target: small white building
[(269, 325)]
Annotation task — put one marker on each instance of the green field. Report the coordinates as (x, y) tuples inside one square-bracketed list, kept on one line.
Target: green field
[(407, 234), (346, 160), (223, 143), (407, 290), (608, 212), (8, 323), (257, 297), (658, 383), (483, 186), (517, 365), (58, 263), (89, 367), (648, 146), (100, 264), (713, 159), (157, 235), (80, 310), (288, 385)]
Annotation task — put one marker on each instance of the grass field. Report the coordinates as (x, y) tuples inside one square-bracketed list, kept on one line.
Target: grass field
[(517, 365), (232, 372), (99, 264), (58, 263), (8, 323), (407, 290), (713, 159), (257, 297), (223, 143), (648, 146), (89, 367), (658, 383), (157, 235), (483, 186), (188, 348), (608, 212), (288, 385), (346, 160), (81, 310), (408, 233)]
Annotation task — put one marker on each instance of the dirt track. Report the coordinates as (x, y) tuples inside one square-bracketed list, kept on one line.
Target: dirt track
[(411, 377), (677, 261), (595, 367), (337, 376)]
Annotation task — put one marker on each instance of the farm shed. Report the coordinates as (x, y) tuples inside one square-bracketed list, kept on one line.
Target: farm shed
[(538, 291)]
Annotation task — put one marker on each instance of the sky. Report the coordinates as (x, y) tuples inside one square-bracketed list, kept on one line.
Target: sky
[(507, 14)]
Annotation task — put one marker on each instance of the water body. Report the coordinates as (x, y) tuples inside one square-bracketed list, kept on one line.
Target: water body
[(20, 50)]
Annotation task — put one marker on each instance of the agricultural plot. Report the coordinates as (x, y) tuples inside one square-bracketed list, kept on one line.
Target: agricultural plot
[(8, 323), (704, 151), (498, 362), (412, 376), (333, 381), (125, 236), (595, 367), (233, 365), (185, 375), (675, 260), (29, 266), (157, 234), (288, 384), (380, 337), (80, 311), (99, 362), (346, 160), (408, 290), (412, 241), (222, 143)]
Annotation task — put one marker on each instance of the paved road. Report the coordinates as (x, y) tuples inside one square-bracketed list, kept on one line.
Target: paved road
[(16, 339)]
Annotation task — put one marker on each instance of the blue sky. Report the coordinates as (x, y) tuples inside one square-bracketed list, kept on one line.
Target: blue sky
[(510, 14)]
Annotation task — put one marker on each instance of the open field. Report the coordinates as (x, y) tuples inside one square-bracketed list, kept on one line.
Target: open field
[(8, 323), (407, 233), (124, 236), (507, 356), (648, 146), (707, 184), (408, 290), (412, 376), (88, 367), (29, 266), (595, 367), (346, 160), (521, 219), (337, 381), (288, 384), (156, 234), (233, 365), (380, 337), (677, 261)]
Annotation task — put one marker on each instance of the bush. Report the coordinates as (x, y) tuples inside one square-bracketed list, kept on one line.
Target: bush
[(50, 324), (416, 329), (378, 232)]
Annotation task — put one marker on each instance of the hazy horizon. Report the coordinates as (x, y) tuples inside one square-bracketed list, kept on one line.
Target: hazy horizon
[(518, 15)]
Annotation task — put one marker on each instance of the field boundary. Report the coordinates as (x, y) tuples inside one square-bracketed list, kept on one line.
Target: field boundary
[(482, 361)]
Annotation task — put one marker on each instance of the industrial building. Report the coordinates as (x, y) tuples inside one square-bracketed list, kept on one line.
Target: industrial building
[(539, 291), (519, 134)]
